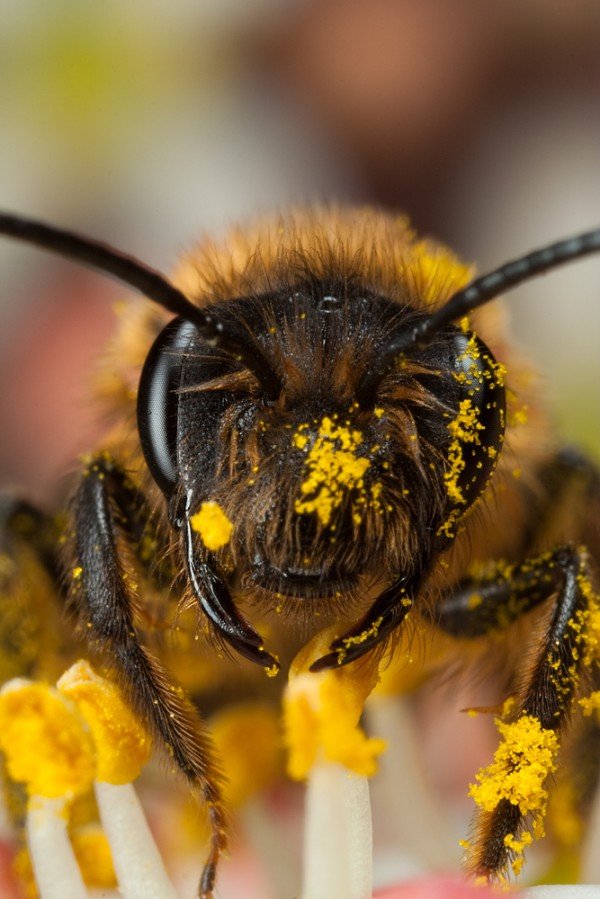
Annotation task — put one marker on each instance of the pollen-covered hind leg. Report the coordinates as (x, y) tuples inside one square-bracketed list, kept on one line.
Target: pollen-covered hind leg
[(512, 792), (104, 506), (30, 593)]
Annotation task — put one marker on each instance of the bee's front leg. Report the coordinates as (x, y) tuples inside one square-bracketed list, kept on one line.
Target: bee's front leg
[(105, 510)]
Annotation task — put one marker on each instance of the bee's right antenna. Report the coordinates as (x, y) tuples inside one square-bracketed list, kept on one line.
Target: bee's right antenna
[(149, 282), (509, 275), (480, 291)]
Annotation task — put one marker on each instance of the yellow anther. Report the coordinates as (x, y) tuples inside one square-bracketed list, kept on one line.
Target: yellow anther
[(122, 745), (47, 744), (322, 712)]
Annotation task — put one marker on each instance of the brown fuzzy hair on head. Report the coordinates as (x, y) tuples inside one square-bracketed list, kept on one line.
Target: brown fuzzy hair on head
[(328, 243)]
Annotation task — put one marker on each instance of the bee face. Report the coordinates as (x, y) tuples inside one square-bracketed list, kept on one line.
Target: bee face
[(325, 493)]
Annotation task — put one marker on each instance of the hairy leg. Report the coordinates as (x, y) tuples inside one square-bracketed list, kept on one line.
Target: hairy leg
[(106, 507), (562, 658)]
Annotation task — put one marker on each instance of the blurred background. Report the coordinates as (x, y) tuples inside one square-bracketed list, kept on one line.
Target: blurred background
[(145, 124), (148, 123)]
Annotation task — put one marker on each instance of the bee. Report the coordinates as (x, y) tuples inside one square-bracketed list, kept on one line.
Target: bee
[(329, 414)]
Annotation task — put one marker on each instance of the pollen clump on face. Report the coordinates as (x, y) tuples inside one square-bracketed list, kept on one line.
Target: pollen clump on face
[(213, 525), (523, 761), (333, 469), (122, 745), (464, 429), (322, 712), (45, 741)]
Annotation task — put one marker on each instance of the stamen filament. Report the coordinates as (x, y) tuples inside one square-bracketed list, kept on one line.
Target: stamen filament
[(139, 867), (322, 711), (338, 836), (56, 870)]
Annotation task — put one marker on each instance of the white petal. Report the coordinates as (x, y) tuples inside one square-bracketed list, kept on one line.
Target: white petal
[(564, 891)]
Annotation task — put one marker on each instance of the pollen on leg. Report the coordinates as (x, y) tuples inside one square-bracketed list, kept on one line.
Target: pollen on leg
[(523, 761), (518, 775)]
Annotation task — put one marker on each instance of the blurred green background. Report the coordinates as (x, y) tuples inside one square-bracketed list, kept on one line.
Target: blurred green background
[(147, 123)]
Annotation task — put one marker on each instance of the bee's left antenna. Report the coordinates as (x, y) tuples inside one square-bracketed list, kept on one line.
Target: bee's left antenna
[(147, 281)]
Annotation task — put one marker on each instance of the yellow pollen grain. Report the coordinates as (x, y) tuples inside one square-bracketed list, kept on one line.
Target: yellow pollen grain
[(365, 635), (585, 624), (322, 712), (213, 525), (77, 572), (300, 440), (273, 670), (45, 741), (522, 762), (333, 469), (122, 744), (517, 846), (474, 601)]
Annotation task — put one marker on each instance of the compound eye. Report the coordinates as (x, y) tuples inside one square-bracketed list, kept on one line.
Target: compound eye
[(477, 431), (158, 400)]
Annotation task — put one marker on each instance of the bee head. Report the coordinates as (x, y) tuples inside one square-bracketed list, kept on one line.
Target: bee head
[(324, 492)]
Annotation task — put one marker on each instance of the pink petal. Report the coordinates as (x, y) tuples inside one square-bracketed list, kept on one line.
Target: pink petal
[(437, 888)]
